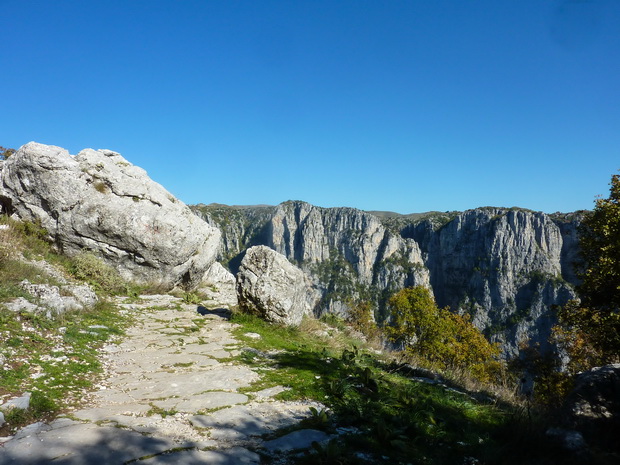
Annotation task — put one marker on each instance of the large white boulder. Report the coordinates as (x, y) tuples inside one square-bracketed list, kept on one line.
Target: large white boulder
[(270, 286), (99, 201)]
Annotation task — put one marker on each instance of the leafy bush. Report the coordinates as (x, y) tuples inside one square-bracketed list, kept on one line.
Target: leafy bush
[(88, 267), (551, 385), (362, 319), (444, 339), (192, 298), (589, 331), (6, 153)]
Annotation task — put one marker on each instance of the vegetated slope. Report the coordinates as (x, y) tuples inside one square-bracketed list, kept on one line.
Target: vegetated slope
[(508, 268)]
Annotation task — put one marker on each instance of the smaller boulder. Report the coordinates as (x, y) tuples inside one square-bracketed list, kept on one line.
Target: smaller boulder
[(22, 403), (593, 406), (218, 285), (57, 300), (269, 286)]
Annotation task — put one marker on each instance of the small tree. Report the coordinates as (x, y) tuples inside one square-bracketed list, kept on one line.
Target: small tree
[(443, 338), (590, 330), (5, 153)]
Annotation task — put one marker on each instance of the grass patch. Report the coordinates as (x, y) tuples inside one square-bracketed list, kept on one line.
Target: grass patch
[(392, 418), (154, 410), (55, 359)]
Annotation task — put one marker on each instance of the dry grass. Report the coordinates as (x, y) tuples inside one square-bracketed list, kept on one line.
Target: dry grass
[(10, 243)]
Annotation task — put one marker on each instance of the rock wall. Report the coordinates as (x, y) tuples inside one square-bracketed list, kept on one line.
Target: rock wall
[(508, 268), (99, 201)]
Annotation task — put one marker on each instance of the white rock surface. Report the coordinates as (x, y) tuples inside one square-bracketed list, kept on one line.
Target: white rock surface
[(270, 286), (218, 285), (22, 403), (99, 201)]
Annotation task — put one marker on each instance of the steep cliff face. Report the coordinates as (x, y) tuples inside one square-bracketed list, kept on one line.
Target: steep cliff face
[(351, 254), (242, 227), (508, 268)]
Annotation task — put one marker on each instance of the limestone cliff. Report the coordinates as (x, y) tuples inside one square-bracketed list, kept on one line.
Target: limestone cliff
[(508, 268)]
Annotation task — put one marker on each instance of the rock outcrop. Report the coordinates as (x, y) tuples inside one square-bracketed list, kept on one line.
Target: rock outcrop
[(99, 201), (505, 267), (54, 300), (219, 286), (268, 285), (593, 406)]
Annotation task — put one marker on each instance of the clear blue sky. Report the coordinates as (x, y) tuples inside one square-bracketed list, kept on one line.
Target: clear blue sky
[(406, 106)]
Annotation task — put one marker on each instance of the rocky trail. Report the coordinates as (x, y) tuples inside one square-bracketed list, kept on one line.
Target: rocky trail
[(169, 394)]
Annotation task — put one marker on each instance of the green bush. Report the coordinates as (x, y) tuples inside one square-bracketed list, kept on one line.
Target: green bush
[(589, 330), (444, 339), (88, 267)]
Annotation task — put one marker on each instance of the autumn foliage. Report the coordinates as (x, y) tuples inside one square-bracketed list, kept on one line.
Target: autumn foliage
[(589, 330), (444, 339)]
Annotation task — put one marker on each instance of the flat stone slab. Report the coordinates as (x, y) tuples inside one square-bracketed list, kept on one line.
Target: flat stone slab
[(296, 440), (154, 359), (78, 443), (18, 402), (111, 411), (269, 392), (232, 456), (162, 384), (175, 428), (206, 401), (251, 420)]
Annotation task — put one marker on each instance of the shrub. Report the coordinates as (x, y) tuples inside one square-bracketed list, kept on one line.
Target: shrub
[(192, 298), (589, 331), (101, 187), (362, 319), (6, 153), (444, 339), (88, 267)]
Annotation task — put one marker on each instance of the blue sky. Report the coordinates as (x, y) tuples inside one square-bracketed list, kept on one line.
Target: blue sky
[(407, 106)]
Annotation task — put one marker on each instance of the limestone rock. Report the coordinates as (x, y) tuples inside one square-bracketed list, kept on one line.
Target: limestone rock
[(593, 406), (84, 294), (99, 201), (58, 300), (270, 286), (21, 305), (21, 403), (219, 285), (503, 266)]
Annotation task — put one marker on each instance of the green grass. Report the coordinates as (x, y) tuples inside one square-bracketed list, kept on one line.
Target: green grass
[(394, 419), (55, 359)]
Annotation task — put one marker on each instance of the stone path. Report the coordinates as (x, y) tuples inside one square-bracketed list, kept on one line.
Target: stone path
[(170, 395)]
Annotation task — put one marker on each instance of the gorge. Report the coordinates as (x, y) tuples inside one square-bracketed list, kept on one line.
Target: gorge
[(508, 268)]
